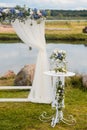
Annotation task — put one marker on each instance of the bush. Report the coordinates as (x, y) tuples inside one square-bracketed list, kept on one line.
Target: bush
[(75, 81)]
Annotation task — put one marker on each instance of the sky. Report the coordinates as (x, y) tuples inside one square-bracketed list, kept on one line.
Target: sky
[(47, 4)]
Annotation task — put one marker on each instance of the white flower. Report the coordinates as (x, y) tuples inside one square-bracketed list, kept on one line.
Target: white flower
[(57, 60), (31, 12), (17, 11), (55, 51), (60, 51), (39, 13), (6, 11), (64, 52)]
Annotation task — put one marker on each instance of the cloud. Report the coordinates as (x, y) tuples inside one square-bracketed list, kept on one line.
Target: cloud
[(48, 4), (80, 8), (7, 4), (57, 4)]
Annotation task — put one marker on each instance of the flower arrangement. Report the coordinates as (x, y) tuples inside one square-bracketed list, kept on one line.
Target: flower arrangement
[(21, 13), (58, 59)]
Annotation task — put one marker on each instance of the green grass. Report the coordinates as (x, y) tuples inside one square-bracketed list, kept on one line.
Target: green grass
[(8, 36), (67, 37), (74, 33), (25, 116)]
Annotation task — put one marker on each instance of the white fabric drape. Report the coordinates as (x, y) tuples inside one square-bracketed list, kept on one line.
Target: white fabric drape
[(34, 35)]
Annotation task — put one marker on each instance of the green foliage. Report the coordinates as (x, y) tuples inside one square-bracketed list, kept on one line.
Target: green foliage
[(69, 37), (9, 37), (69, 14), (6, 81), (75, 82)]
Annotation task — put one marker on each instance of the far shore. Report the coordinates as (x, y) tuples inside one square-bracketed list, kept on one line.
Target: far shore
[(54, 31)]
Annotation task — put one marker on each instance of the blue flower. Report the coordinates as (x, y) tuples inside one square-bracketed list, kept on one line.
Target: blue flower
[(1, 9), (36, 16), (20, 14), (12, 10), (35, 10), (43, 12), (59, 56)]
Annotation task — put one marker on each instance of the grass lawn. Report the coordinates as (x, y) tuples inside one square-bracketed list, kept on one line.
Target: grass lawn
[(67, 30), (25, 116), (73, 26)]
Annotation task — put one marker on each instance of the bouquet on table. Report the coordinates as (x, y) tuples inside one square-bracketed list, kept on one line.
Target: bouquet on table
[(58, 61)]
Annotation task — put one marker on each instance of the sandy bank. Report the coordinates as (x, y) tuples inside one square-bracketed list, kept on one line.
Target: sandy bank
[(6, 29)]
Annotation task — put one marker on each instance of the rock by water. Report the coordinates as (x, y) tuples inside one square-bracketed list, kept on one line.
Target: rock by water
[(9, 74), (25, 76), (84, 81)]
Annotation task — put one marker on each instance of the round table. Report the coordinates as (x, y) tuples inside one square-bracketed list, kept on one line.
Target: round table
[(59, 74), (58, 81)]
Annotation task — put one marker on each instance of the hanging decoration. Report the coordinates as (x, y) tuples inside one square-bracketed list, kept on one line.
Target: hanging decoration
[(21, 13)]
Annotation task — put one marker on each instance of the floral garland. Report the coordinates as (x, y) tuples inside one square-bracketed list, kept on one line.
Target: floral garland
[(58, 58), (59, 95), (21, 13)]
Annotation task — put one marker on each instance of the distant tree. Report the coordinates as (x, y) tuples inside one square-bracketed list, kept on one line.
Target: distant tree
[(60, 15)]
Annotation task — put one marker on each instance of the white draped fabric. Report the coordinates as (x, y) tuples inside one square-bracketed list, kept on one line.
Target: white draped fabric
[(34, 35)]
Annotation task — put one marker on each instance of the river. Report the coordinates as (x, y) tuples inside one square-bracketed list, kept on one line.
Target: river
[(15, 56)]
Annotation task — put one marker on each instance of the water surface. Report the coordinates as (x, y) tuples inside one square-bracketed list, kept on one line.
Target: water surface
[(15, 56)]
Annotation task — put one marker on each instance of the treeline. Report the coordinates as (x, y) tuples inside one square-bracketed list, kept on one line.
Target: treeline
[(66, 14)]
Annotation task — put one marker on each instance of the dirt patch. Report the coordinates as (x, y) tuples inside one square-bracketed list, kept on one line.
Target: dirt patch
[(6, 29)]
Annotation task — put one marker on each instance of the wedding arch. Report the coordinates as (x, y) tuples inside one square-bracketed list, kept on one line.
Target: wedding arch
[(29, 26)]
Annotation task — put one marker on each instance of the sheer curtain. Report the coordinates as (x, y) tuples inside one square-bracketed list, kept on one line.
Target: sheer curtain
[(32, 33)]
